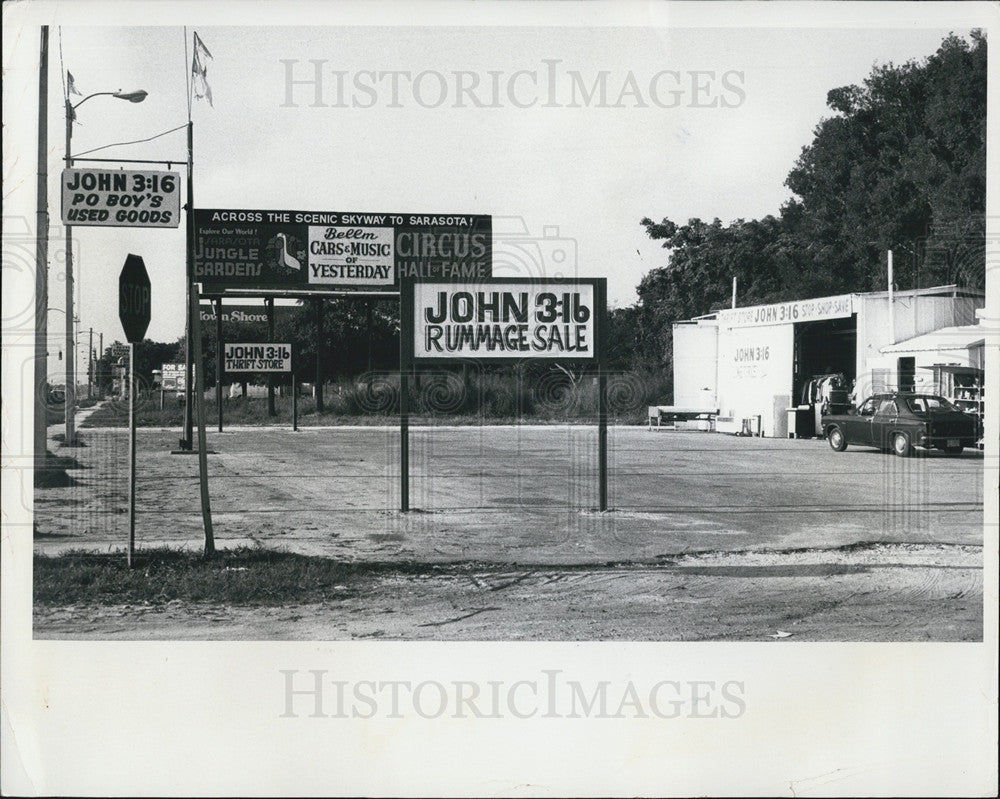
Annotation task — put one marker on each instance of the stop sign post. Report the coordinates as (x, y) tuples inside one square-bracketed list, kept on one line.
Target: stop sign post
[(134, 311)]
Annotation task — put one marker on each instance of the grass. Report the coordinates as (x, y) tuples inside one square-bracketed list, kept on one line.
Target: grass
[(246, 576), (242, 577), (480, 399)]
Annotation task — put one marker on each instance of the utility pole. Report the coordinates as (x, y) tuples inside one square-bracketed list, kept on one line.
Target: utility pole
[(41, 259), (90, 366), (892, 307), (188, 441), (76, 344), (70, 343)]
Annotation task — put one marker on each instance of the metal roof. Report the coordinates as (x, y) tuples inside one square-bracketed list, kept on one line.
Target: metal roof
[(947, 338)]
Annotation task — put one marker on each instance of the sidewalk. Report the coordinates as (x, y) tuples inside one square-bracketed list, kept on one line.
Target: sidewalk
[(60, 427)]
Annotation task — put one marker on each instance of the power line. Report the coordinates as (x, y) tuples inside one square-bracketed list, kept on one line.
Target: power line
[(124, 143)]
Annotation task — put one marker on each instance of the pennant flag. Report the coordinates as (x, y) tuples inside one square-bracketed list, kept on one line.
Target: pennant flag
[(199, 70), (71, 85)]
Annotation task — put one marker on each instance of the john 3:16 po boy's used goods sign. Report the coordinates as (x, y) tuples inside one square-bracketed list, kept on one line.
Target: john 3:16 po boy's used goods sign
[(121, 198)]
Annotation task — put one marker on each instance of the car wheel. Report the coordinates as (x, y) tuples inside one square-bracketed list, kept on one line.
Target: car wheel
[(901, 445), (836, 439), (954, 450)]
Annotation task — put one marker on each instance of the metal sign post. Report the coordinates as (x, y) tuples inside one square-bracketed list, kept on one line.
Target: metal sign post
[(504, 321), (198, 393), (269, 304), (601, 312), (134, 301), (131, 454), (318, 309), (218, 359), (405, 366)]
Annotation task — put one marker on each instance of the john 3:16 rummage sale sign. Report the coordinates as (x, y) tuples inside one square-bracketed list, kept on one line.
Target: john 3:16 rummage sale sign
[(504, 320)]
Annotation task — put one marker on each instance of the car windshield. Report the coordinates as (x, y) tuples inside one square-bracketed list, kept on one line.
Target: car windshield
[(923, 405), (867, 408)]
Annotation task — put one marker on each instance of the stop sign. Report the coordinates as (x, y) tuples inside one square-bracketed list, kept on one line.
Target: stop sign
[(133, 298)]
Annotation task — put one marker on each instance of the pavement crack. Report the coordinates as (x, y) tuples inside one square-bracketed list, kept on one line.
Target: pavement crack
[(456, 618), (509, 583)]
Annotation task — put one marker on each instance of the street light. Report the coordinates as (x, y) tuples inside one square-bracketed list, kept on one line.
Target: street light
[(133, 97)]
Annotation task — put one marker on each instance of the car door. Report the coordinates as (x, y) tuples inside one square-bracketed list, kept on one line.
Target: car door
[(883, 422), (858, 427)]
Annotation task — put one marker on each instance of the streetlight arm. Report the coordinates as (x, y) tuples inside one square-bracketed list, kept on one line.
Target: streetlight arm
[(74, 106), (133, 97)]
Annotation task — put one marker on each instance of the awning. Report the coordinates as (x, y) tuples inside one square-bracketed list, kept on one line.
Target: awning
[(954, 368), (962, 337)]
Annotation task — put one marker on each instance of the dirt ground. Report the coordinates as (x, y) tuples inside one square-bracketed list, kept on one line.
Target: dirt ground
[(708, 537)]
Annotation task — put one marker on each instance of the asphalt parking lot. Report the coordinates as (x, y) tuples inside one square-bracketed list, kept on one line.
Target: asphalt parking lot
[(513, 494), (522, 500)]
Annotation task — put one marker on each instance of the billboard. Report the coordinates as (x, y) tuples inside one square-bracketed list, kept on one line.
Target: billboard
[(121, 198), (505, 320), (308, 250), (257, 357)]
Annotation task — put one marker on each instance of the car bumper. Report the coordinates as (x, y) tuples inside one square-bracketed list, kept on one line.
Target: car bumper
[(943, 442)]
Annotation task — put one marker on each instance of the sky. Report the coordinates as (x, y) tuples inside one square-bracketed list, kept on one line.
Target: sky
[(571, 180)]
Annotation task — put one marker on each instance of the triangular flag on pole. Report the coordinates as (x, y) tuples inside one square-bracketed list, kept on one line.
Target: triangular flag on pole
[(71, 84), (199, 70)]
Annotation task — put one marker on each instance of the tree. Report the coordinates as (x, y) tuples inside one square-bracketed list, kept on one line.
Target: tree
[(152, 355), (903, 162), (900, 164)]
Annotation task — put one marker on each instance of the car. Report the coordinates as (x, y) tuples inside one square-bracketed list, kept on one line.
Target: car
[(900, 421)]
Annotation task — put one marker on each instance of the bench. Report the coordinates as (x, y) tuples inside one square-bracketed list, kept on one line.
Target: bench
[(679, 417)]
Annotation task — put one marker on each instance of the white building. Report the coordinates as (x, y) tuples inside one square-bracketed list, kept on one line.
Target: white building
[(950, 361), (752, 363)]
